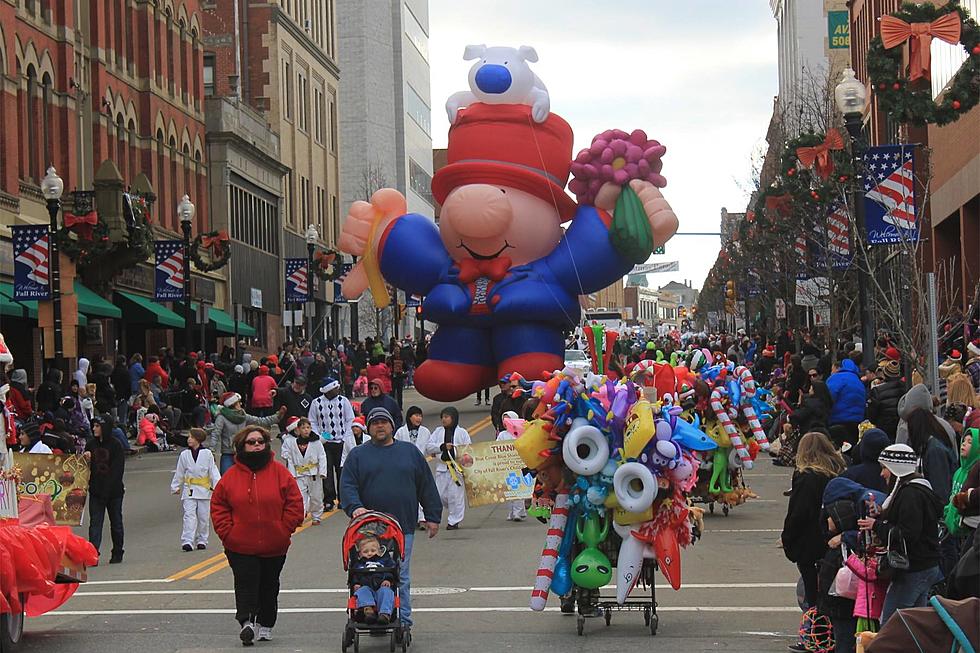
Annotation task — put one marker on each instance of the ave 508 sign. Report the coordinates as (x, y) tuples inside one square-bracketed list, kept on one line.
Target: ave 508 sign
[(838, 30)]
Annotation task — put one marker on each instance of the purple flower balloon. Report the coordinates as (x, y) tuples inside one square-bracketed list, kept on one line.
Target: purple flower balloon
[(618, 157)]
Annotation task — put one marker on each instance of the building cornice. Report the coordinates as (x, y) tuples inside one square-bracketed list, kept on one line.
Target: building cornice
[(226, 137)]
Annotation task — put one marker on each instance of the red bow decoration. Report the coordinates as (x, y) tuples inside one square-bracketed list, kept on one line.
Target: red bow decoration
[(895, 31), (471, 269), (820, 154), (779, 204), (324, 259), (215, 244), (82, 224)]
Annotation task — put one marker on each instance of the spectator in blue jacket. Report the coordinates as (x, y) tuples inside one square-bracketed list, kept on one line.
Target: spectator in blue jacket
[(850, 396)]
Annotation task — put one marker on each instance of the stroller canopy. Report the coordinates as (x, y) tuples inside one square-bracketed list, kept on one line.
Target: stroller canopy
[(378, 524)]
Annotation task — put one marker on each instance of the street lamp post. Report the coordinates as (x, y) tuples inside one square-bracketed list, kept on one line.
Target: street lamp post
[(312, 235), (185, 212), (850, 96), (52, 188)]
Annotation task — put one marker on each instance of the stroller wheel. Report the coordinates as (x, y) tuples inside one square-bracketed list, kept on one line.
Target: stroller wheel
[(391, 642), (357, 642)]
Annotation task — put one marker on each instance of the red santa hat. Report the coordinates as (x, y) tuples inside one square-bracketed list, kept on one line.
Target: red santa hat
[(500, 144), (956, 356), (229, 399), (769, 351), (891, 353), (359, 421), (291, 424)]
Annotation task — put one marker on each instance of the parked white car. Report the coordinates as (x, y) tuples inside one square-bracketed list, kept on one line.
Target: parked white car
[(578, 360)]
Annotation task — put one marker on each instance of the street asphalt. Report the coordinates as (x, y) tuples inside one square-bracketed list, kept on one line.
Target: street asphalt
[(470, 587)]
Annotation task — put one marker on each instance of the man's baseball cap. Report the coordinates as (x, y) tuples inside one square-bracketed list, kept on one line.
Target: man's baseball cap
[(299, 379)]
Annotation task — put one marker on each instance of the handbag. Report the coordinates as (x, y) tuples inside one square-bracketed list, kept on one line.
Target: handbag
[(893, 560), (846, 582)]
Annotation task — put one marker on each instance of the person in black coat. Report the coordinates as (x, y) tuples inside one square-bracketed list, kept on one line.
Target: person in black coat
[(803, 534), (49, 394), (867, 470), (815, 409), (296, 400), (107, 463), (883, 399)]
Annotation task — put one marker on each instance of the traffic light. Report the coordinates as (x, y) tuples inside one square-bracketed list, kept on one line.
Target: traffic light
[(682, 312), (418, 312), (730, 297)]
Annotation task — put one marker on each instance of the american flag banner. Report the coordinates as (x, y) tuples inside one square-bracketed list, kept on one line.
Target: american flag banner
[(297, 288), (800, 249), (838, 237), (31, 258), (889, 195), (338, 295), (169, 271)]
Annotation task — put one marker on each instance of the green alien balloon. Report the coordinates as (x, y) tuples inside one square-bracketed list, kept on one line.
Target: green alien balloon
[(591, 568)]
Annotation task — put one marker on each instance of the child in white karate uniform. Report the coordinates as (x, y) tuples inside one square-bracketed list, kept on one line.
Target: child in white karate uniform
[(518, 511), (307, 462), (444, 443), (195, 478), (412, 431)]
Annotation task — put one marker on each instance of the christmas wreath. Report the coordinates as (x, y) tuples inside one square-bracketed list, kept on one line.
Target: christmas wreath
[(327, 265), (813, 166), (217, 245), (772, 205), (84, 235), (906, 99)]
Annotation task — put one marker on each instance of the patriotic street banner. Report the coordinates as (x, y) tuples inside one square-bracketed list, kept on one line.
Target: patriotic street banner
[(169, 271), (889, 192), (338, 295), (31, 279), (838, 237), (297, 288)]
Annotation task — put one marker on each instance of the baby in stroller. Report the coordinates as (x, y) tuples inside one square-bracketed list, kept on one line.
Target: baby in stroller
[(373, 573)]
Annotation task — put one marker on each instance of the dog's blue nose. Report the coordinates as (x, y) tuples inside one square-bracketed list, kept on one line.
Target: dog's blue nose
[(493, 78)]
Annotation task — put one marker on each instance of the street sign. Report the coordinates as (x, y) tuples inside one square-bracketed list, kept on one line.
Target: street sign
[(255, 297), (654, 268), (780, 309), (838, 30)]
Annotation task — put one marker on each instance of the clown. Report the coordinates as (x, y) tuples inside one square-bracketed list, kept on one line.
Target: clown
[(498, 274)]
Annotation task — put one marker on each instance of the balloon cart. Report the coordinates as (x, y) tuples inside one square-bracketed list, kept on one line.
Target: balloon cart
[(592, 603)]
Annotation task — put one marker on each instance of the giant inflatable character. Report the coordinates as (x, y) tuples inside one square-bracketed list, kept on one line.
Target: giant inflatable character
[(499, 275)]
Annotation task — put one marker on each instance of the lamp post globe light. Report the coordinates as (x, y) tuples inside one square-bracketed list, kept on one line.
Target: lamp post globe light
[(185, 213), (52, 187), (312, 235), (850, 96)]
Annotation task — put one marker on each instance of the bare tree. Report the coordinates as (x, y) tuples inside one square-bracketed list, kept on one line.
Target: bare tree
[(372, 321)]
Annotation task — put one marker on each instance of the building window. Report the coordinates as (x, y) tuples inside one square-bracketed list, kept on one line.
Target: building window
[(256, 319), (335, 218), (287, 89), (418, 110), (303, 108), (32, 145), (208, 74), (319, 210), (317, 115), (417, 35), (332, 109), (45, 145), (420, 181)]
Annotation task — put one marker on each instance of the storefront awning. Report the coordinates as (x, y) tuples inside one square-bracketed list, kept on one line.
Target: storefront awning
[(140, 309), (10, 308), (224, 324), (94, 305)]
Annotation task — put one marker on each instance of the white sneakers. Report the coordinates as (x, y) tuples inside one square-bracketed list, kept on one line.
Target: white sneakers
[(265, 633)]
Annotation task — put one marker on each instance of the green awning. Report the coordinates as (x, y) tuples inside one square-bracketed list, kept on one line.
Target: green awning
[(224, 324), (7, 291), (94, 305), (10, 308), (140, 309)]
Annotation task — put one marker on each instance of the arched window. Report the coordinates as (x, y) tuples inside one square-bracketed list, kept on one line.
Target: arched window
[(171, 79), (31, 111), (107, 27), (120, 48), (135, 163), (175, 190), (160, 185), (46, 147), (121, 147), (195, 66), (186, 160), (131, 35), (182, 46)]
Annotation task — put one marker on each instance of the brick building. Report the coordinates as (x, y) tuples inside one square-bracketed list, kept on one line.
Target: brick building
[(85, 82), (950, 238), (279, 59)]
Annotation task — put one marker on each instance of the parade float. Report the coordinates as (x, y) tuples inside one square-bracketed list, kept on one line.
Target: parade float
[(41, 561)]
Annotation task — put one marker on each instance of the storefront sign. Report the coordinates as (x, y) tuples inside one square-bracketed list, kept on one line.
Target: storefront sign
[(492, 473), (838, 30)]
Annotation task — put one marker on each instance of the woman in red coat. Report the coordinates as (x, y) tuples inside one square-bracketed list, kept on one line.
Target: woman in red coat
[(255, 508), (263, 392)]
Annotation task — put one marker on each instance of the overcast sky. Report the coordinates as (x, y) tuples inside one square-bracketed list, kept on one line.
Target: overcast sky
[(699, 76)]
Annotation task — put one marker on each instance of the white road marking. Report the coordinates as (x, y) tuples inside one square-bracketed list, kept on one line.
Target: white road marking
[(417, 591), (742, 530), (320, 610), (128, 582)]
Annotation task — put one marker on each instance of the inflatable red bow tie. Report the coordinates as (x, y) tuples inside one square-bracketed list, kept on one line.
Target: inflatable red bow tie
[(82, 224), (895, 31), (471, 269), (820, 154)]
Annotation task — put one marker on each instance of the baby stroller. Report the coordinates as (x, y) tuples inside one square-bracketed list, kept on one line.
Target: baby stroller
[(389, 534)]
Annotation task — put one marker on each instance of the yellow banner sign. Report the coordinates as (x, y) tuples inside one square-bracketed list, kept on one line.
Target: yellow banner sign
[(63, 477), (492, 472)]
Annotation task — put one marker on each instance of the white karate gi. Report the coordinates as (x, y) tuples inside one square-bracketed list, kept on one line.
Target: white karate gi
[(198, 478), (308, 469), (453, 496)]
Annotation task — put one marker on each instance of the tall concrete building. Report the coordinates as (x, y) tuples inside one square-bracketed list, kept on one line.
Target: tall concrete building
[(385, 105), (280, 59)]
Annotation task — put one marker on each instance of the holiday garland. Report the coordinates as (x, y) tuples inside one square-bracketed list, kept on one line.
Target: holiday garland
[(218, 247), (84, 237), (908, 100), (819, 183)]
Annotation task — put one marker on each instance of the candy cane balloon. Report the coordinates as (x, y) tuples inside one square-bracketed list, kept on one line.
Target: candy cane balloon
[(745, 377), (549, 556), (726, 421)]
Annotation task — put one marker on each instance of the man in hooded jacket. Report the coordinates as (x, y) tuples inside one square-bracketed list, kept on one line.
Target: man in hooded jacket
[(849, 396)]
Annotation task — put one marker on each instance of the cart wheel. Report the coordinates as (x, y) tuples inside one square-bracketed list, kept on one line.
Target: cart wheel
[(654, 622), (725, 509), (646, 616), (12, 628), (357, 642), (711, 507), (391, 642), (608, 615), (580, 625)]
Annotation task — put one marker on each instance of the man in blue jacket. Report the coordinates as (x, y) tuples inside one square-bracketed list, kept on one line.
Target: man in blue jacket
[(850, 395)]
